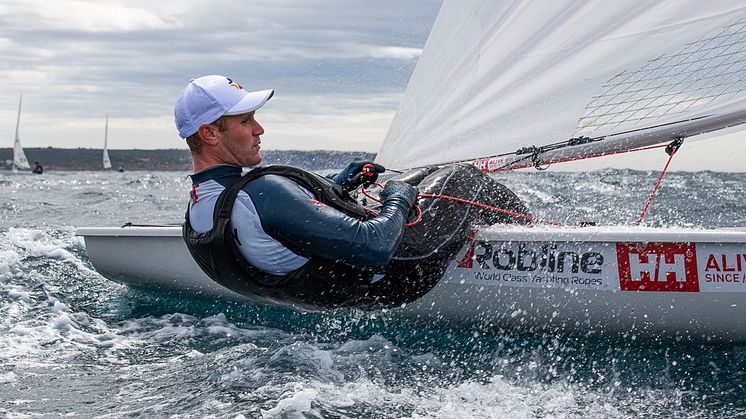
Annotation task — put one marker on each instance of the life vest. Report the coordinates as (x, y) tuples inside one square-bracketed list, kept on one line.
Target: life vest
[(418, 264), (319, 283)]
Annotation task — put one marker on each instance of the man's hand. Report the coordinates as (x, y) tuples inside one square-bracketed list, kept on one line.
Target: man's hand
[(400, 190), (359, 172)]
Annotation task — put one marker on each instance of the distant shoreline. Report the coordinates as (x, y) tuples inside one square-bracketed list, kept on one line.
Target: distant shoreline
[(91, 159)]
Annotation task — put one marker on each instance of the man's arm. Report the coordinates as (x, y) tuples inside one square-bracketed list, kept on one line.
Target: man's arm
[(310, 228)]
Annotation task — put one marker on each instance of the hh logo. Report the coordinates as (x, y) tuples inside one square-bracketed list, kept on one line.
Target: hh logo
[(658, 267)]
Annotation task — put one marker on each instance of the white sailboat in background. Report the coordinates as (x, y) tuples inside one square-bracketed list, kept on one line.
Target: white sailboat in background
[(107, 161), (524, 83), (19, 157)]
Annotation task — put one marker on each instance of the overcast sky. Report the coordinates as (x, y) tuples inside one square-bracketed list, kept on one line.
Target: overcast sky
[(339, 68)]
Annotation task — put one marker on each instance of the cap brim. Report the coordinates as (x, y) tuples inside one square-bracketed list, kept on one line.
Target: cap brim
[(251, 102)]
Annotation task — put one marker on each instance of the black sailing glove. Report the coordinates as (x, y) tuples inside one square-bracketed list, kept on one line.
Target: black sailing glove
[(359, 172), (401, 191)]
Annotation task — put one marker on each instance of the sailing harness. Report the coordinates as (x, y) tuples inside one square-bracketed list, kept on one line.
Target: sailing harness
[(416, 266), (318, 283)]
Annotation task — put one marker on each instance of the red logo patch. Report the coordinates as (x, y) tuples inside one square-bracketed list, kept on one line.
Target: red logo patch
[(658, 267), (468, 260), (318, 203), (193, 194)]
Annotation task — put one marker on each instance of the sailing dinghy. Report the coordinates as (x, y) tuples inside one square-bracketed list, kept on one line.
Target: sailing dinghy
[(518, 84), (19, 157), (107, 161)]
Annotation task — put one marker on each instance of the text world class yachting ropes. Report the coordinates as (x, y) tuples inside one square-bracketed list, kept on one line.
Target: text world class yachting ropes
[(631, 267)]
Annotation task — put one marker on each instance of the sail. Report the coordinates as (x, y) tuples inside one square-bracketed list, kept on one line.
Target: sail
[(107, 161), (19, 157), (516, 78)]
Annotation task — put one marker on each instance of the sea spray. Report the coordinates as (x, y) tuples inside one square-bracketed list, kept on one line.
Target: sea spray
[(73, 342)]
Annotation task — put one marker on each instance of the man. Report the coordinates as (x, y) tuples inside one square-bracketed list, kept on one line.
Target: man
[(38, 168), (278, 233)]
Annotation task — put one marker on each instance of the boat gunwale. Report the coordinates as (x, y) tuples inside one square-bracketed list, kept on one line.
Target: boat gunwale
[(501, 233)]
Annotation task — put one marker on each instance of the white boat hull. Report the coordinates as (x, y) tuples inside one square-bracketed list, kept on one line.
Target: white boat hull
[(635, 282)]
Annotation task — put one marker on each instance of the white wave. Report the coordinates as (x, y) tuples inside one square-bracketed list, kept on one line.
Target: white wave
[(54, 334), (358, 391), (498, 397), (296, 405), (8, 378), (9, 262), (40, 243)]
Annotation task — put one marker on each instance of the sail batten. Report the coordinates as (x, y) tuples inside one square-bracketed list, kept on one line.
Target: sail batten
[(496, 77)]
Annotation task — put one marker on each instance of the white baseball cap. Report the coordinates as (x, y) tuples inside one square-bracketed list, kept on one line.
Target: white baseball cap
[(207, 98)]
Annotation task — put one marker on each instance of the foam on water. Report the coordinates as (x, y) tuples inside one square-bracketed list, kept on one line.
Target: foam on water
[(72, 342)]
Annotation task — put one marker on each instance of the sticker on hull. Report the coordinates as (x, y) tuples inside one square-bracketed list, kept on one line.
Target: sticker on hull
[(722, 267), (681, 267), (658, 267), (536, 264)]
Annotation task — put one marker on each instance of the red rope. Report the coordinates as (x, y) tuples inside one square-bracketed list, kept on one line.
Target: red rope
[(655, 188), (464, 201), (489, 207), (419, 217)]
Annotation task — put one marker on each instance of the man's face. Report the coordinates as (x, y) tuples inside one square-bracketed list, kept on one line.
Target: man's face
[(240, 140)]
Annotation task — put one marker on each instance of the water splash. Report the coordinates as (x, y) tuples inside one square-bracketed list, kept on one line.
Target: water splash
[(73, 342)]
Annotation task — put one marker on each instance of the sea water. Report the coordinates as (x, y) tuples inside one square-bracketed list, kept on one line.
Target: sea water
[(74, 343)]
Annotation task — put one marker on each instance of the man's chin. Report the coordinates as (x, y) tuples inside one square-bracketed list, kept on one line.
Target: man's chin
[(255, 161)]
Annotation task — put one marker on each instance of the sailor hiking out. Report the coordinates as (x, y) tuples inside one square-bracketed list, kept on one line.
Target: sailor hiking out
[(283, 235)]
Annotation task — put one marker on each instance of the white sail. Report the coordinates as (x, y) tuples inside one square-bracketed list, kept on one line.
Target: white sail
[(19, 157), (107, 161), (498, 77)]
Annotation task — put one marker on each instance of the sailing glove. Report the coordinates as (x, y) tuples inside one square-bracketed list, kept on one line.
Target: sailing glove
[(398, 190), (359, 172)]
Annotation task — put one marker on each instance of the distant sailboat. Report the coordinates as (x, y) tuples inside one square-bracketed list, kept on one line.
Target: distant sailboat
[(107, 161), (19, 157)]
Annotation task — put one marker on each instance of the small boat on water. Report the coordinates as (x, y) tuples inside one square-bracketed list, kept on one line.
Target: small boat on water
[(20, 162), (517, 84), (107, 161)]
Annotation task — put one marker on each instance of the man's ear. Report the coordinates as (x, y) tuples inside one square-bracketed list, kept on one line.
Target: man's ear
[(208, 134)]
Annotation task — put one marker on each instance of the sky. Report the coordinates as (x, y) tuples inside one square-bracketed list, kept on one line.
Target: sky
[(338, 67)]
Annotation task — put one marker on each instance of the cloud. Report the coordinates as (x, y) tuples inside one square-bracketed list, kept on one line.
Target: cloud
[(77, 60), (338, 75), (81, 16), (396, 52)]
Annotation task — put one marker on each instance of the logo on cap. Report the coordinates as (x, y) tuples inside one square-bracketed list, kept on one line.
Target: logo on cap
[(207, 98), (236, 85)]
